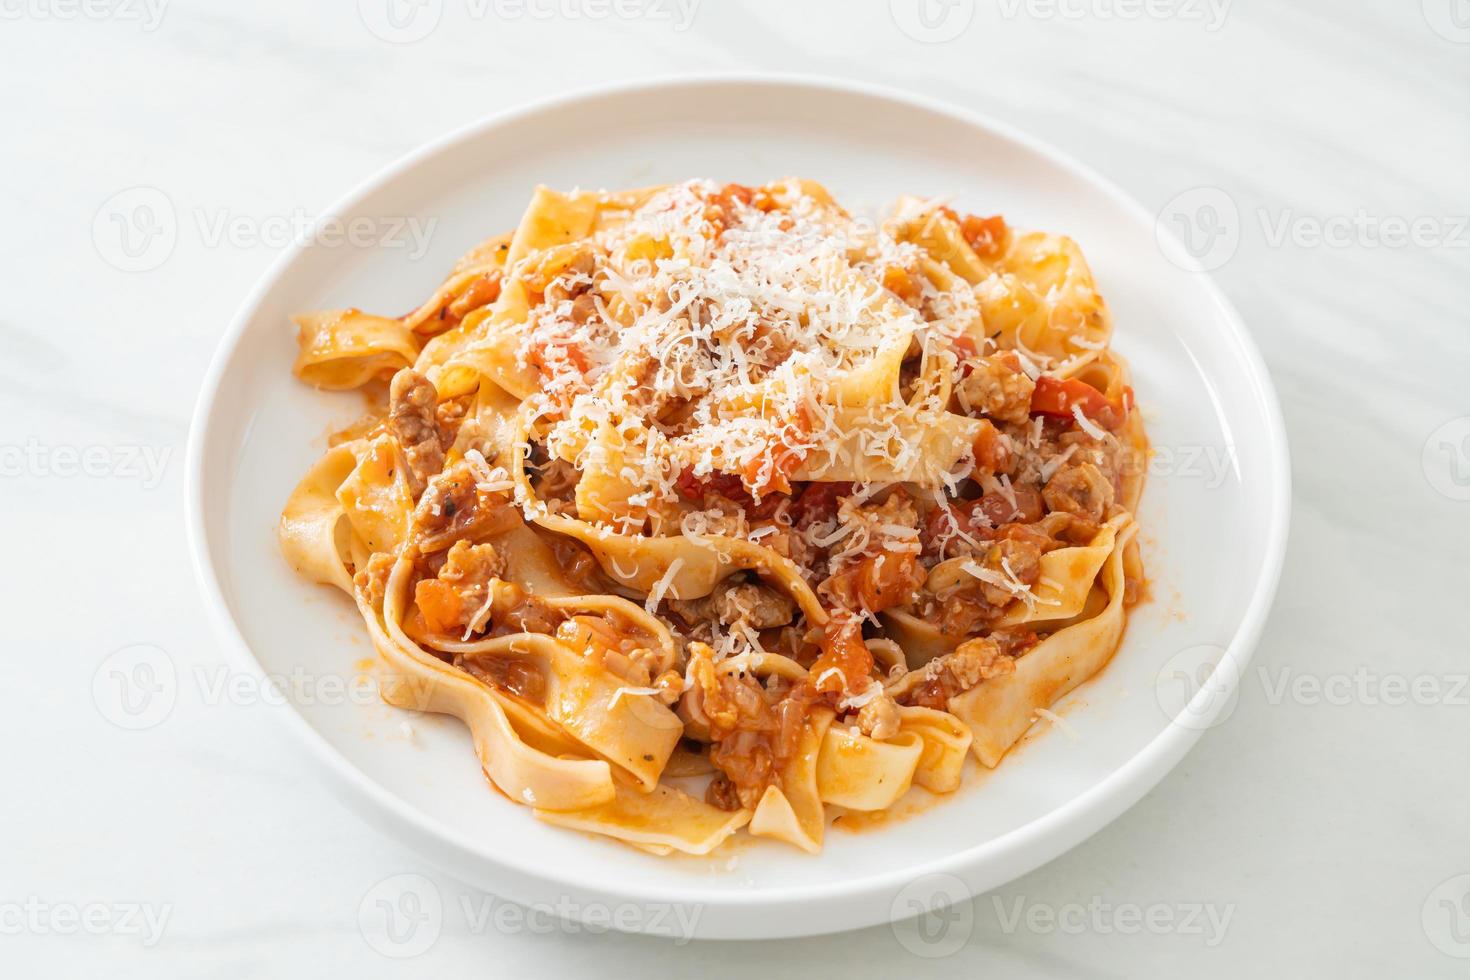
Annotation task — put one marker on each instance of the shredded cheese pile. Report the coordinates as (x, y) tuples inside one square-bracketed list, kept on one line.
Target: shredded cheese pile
[(720, 346)]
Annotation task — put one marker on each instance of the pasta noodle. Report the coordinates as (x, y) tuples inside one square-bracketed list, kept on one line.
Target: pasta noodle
[(710, 508)]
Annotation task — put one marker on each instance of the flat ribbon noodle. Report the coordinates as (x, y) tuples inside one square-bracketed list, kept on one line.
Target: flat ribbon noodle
[(425, 683), (791, 809), (668, 819), (999, 711), (343, 349)]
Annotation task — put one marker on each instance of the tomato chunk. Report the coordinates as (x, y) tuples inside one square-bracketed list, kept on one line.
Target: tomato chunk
[(440, 605), (844, 649), (987, 236), (1057, 397)]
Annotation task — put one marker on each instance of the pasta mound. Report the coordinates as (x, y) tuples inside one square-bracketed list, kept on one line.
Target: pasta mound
[(710, 507)]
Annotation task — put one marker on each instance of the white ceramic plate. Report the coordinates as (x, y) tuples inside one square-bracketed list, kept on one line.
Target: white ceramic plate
[(1214, 513)]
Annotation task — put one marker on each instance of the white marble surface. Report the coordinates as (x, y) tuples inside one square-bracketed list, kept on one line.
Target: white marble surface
[(1328, 819)]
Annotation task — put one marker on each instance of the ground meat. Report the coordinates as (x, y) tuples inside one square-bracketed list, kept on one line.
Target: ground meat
[(1016, 557), (1080, 489), (879, 718), (521, 678), (881, 569), (471, 563), (450, 415), (757, 606), (971, 663), (752, 736), (456, 597), (372, 579), (412, 420), (526, 614), (721, 794), (966, 611), (1108, 454), (977, 660), (453, 507), (997, 387)]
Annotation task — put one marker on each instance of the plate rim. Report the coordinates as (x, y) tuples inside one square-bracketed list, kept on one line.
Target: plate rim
[(1050, 835)]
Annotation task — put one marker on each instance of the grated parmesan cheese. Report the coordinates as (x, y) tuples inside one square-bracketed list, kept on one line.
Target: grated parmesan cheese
[(1088, 426), (657, 592), (618, 694), (1059, 723)]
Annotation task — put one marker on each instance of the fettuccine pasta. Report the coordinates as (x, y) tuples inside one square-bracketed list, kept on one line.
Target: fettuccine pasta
[(710, 508)]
